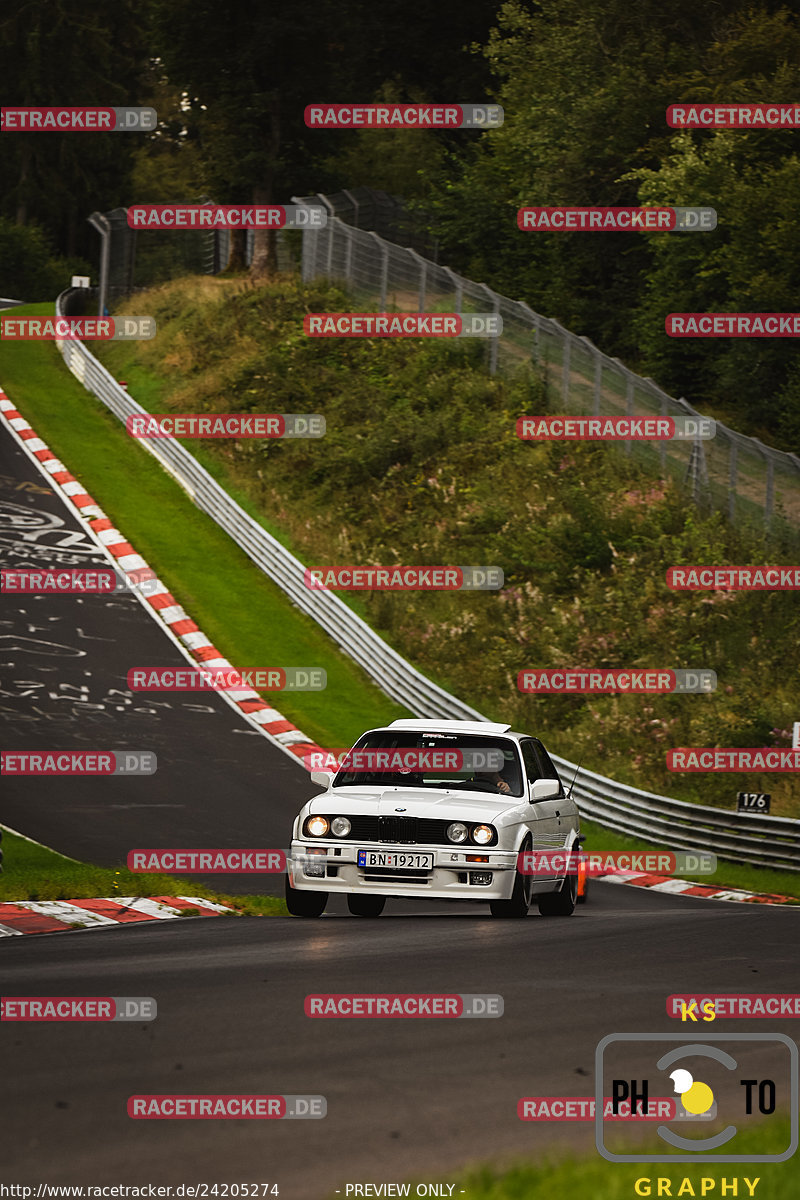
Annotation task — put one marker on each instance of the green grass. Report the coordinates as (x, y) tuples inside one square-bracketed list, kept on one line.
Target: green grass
[(246, 616), (593, 1178), (34, 872)]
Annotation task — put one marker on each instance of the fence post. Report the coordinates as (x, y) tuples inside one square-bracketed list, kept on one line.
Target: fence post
[(732, 481), (309, 268), (423, 277), (103, 226), (458, 287), (629, 405), (662, 445), (534, 319), (383, 247), (493, 341), (697, 470), (769, 486), (329, 263), (329, 231), (354, 203)]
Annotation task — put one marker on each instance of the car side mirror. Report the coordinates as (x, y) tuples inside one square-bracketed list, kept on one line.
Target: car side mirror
[(321, 778), (545, 789)]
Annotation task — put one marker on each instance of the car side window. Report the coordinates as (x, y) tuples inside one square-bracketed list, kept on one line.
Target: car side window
[(548, 766), (532, 771)]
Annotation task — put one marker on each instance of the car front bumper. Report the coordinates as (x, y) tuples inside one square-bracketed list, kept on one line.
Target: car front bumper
[(323, 866)]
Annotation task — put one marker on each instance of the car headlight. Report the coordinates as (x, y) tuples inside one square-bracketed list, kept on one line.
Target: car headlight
[(482, 834), (457, 832), (340, 826), (317, 826)]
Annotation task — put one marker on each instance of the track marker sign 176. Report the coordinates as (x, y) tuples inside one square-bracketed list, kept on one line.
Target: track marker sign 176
[(755, 802)]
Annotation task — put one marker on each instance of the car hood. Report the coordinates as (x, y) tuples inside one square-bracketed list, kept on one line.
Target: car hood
[(413, 803)]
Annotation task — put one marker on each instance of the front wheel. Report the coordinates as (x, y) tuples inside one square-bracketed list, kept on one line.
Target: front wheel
[(305, 904), (365, 906), (520, 900), (560, 904)]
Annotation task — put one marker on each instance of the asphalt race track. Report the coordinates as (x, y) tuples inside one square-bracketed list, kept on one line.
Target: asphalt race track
[(406, 1097), (63, 686)]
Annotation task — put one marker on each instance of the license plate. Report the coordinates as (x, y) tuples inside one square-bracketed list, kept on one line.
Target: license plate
[(401, 860)]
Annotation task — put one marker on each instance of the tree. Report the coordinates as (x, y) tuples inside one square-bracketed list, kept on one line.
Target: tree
[(53, 52)]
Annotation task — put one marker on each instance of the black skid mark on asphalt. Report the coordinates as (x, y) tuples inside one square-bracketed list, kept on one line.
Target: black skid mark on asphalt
[(10, 642), (89, 637)]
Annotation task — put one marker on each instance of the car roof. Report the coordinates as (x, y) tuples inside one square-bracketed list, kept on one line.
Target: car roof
[(434, 724)]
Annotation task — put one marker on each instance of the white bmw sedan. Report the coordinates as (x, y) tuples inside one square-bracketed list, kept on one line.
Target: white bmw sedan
[(437, 809)]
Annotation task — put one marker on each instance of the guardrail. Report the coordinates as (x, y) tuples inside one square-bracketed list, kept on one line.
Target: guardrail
[(761, 841)]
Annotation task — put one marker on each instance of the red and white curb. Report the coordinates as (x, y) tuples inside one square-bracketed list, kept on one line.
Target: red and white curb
[(162, 603), (706, 891), (55, 916)]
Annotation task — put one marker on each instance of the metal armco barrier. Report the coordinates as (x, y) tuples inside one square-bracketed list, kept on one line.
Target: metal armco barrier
[(761, 841)]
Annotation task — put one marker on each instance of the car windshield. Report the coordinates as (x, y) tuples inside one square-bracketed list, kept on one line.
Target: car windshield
[(403, 758)]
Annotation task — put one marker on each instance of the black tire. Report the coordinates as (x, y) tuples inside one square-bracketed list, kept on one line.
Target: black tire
[(305, 904), (561, 903), (520, 900), (365, 905)]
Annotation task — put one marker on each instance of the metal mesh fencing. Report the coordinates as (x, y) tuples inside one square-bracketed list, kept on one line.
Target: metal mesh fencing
[(738, 475), (132, 260)]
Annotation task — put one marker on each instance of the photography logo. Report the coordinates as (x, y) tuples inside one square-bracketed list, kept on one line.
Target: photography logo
[(729, 1081)]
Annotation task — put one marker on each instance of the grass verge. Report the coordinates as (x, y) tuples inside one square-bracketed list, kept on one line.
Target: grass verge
[(596, 1179), (35, 872)]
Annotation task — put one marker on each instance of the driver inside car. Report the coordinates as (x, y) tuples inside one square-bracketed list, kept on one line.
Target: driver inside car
[(493, 777)]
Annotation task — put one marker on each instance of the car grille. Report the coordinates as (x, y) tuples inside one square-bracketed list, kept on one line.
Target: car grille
[(398, 830), (390, 875)]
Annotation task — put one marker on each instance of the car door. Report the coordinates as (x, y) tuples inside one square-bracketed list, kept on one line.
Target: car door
[(566, 810), (545, 815)]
